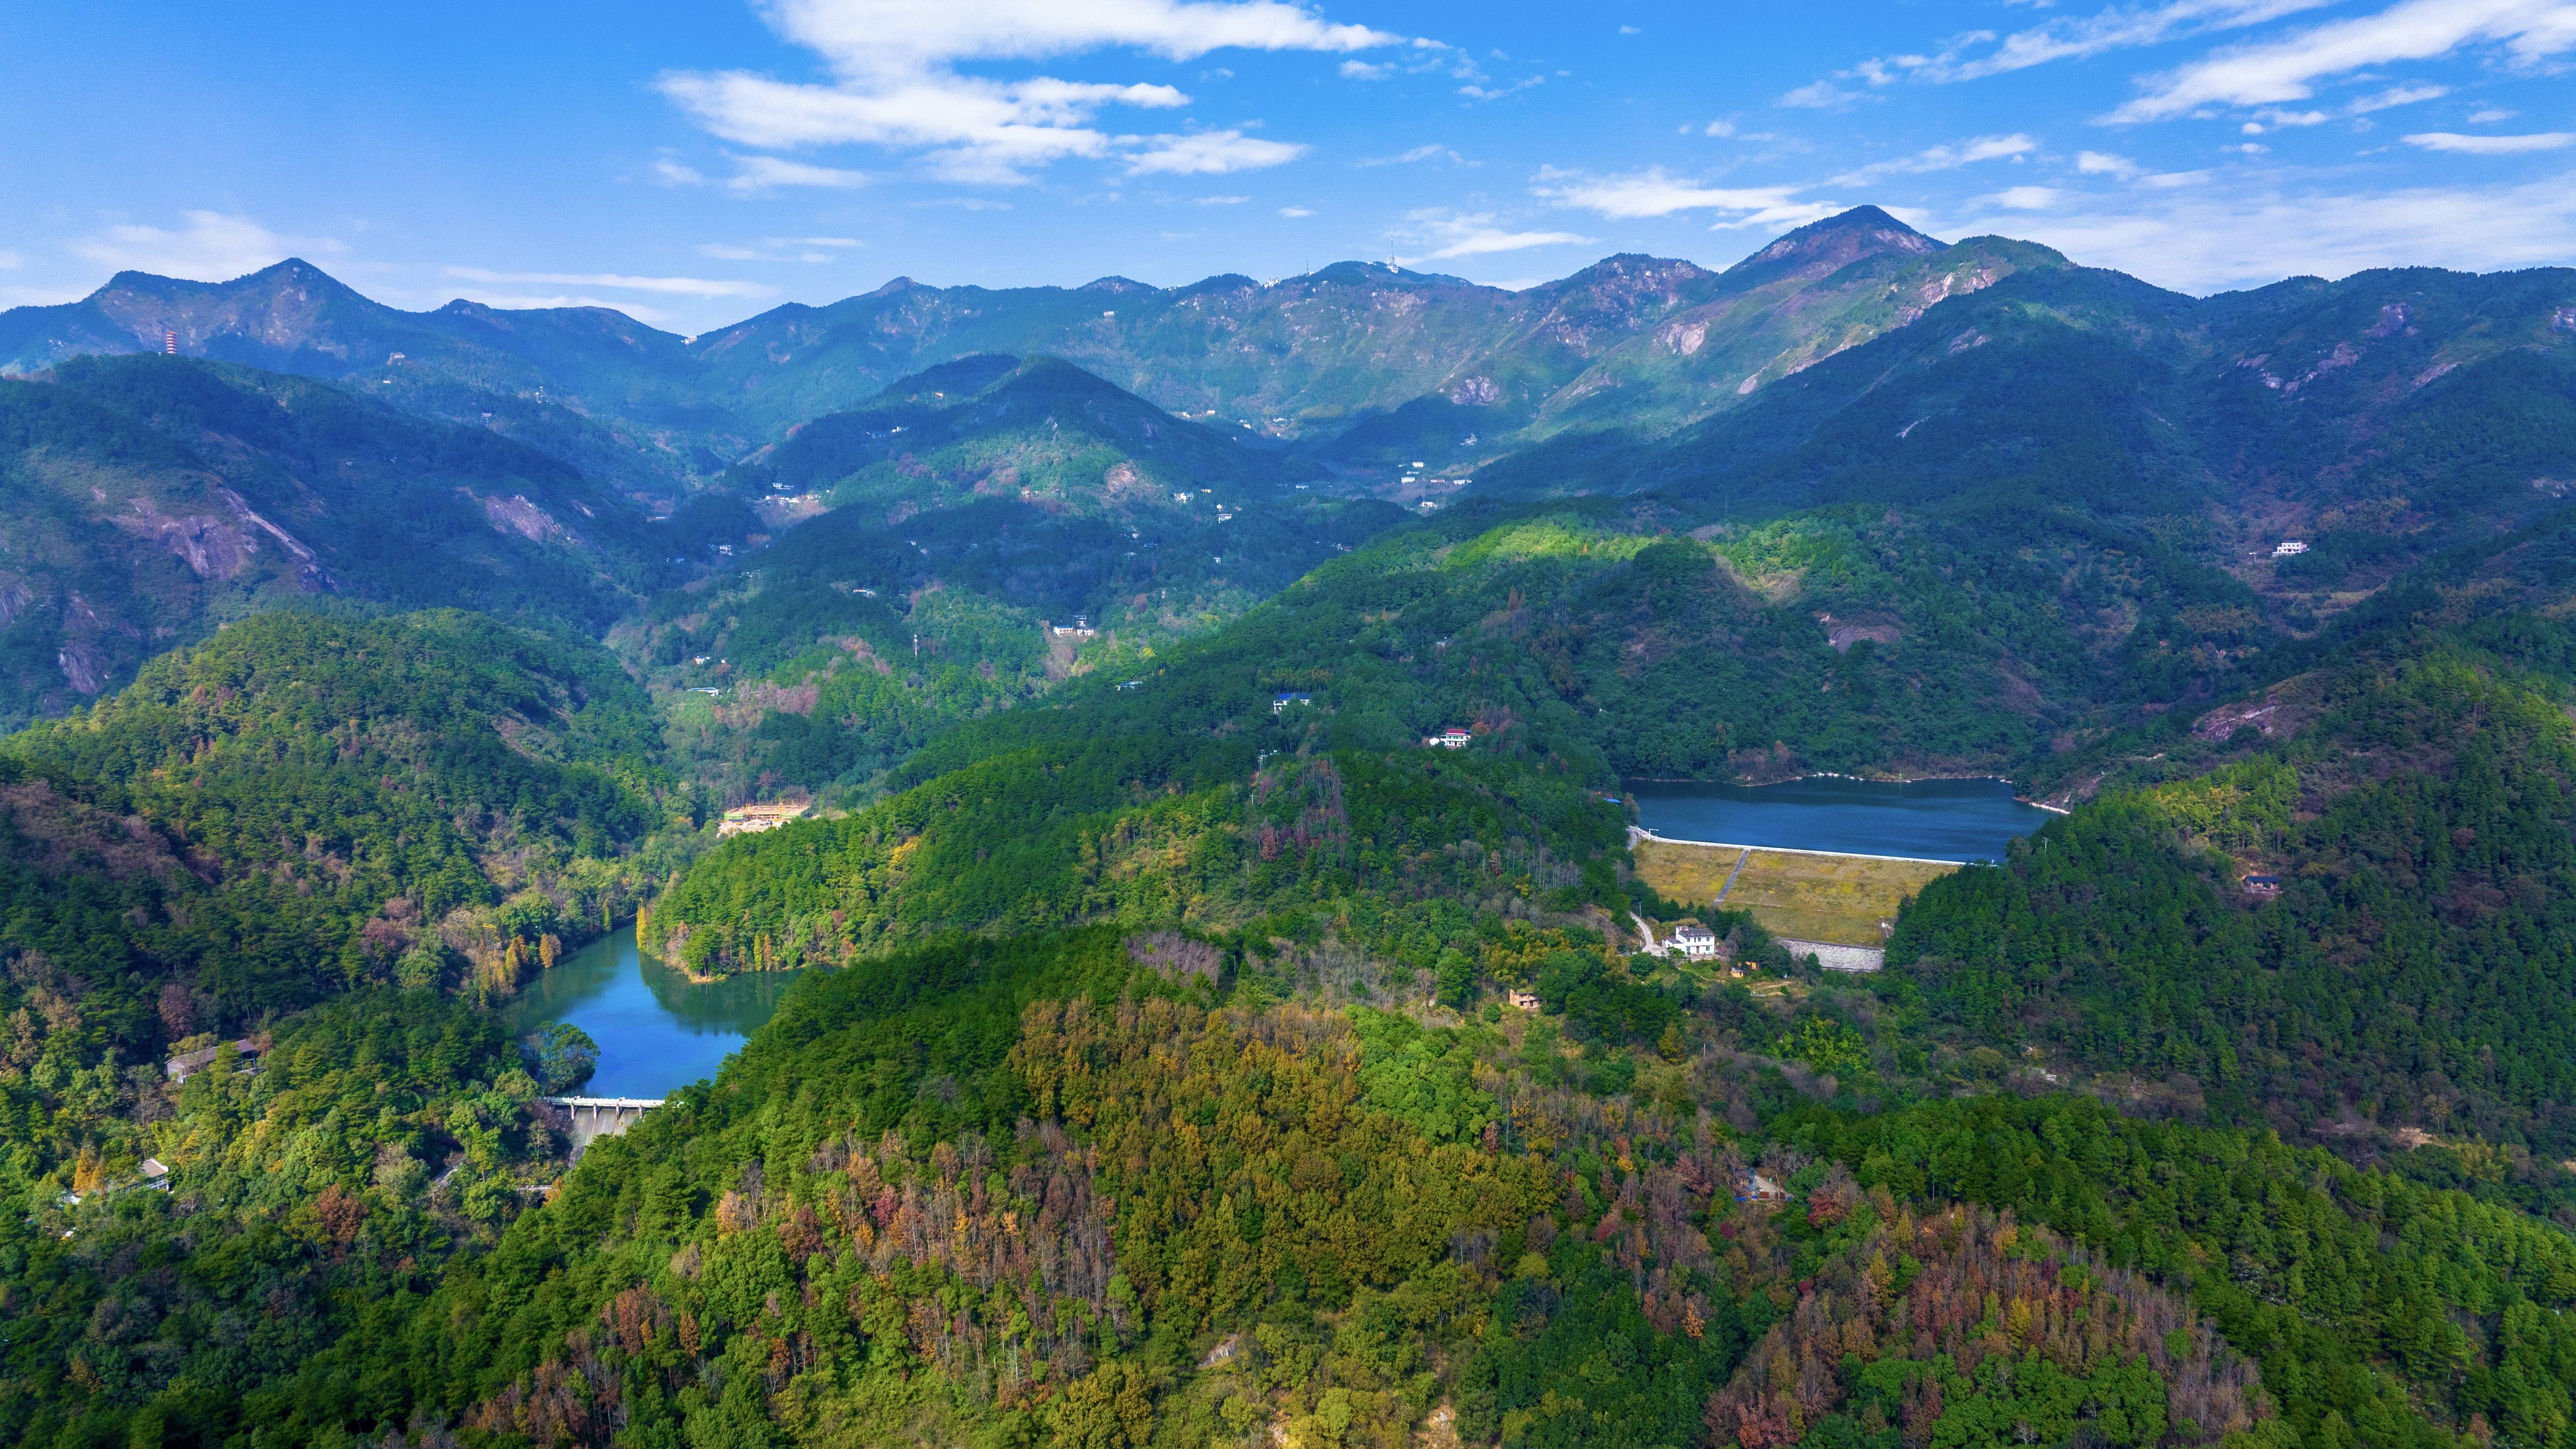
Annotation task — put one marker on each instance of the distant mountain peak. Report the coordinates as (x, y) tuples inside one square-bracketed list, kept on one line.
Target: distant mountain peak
[(1842, 239)]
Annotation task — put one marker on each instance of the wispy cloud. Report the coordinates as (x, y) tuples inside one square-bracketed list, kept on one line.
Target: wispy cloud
[(2290, 68), (533, 301), (767, 173), (756, 175), (782, 249), (669, 286), (1974, 54), (1822, 95), (214, 246), (1295, 211), (1656, 192), (1433, 151), (1941, 158), (1223, 200), (2210, 231), (2022, 198), (896, 82), (2492, 145), (1444, 235), (1209, 153)]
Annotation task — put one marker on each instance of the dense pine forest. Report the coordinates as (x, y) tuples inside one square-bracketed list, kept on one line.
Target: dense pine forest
[(1179, 1053)]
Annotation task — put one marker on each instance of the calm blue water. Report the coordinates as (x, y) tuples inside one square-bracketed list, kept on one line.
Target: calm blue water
[(1931, 819), (656, 1029)]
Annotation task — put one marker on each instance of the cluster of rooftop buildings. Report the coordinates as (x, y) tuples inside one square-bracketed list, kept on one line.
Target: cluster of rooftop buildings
[(753, 819)]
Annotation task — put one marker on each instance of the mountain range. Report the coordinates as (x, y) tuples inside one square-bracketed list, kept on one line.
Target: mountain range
[(1639, 339), (1195, 1059)]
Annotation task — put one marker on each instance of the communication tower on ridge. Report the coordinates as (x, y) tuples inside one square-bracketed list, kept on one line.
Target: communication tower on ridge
[(169, 342)]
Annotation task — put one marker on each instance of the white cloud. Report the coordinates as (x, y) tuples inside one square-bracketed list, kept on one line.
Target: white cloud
[(1432, 152), (671, 286), (2492, 145), (1821, 96), (1974, 54), (1716, 128), (2078, 37), (896, 83), (2489, 115), (1223, 200), (2396, 96), (782, 249), (1496, 93), (2288, 69), (1365, 70), (2023, 198), (1628, 30), (214, 247), (1446, 235), (1655, 192), (1210, 153), (518, 302), (11, 261), (2247, 231), (765, 173), (2103, 163), (1295, 211), (1942, 158), (755, 175)]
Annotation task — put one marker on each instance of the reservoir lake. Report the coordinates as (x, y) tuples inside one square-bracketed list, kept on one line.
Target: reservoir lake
[(1925, 819), (657, 1030)]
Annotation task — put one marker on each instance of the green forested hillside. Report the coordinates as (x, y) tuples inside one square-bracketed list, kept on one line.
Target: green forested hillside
[(2378, 419), (293, 809), (964, 511), (1183, 1054), (148, 499), (2413, 970), (1038, 1192)]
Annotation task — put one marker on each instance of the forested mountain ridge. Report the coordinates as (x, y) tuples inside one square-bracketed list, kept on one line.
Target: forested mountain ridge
[(625, 382), (2375, 420), (147, 499), (1632, 342), (962, 514)]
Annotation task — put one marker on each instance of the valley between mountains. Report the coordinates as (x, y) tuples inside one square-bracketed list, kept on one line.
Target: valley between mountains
[(1186, 1046)]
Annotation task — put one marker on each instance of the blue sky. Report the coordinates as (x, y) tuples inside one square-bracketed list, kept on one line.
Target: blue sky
[(694, 164)]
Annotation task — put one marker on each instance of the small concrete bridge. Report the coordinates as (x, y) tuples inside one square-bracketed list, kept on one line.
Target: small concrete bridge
[(596, 1117)]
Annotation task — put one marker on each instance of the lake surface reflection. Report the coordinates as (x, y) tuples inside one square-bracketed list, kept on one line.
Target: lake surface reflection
[(1928, 819), (656, 1029)]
